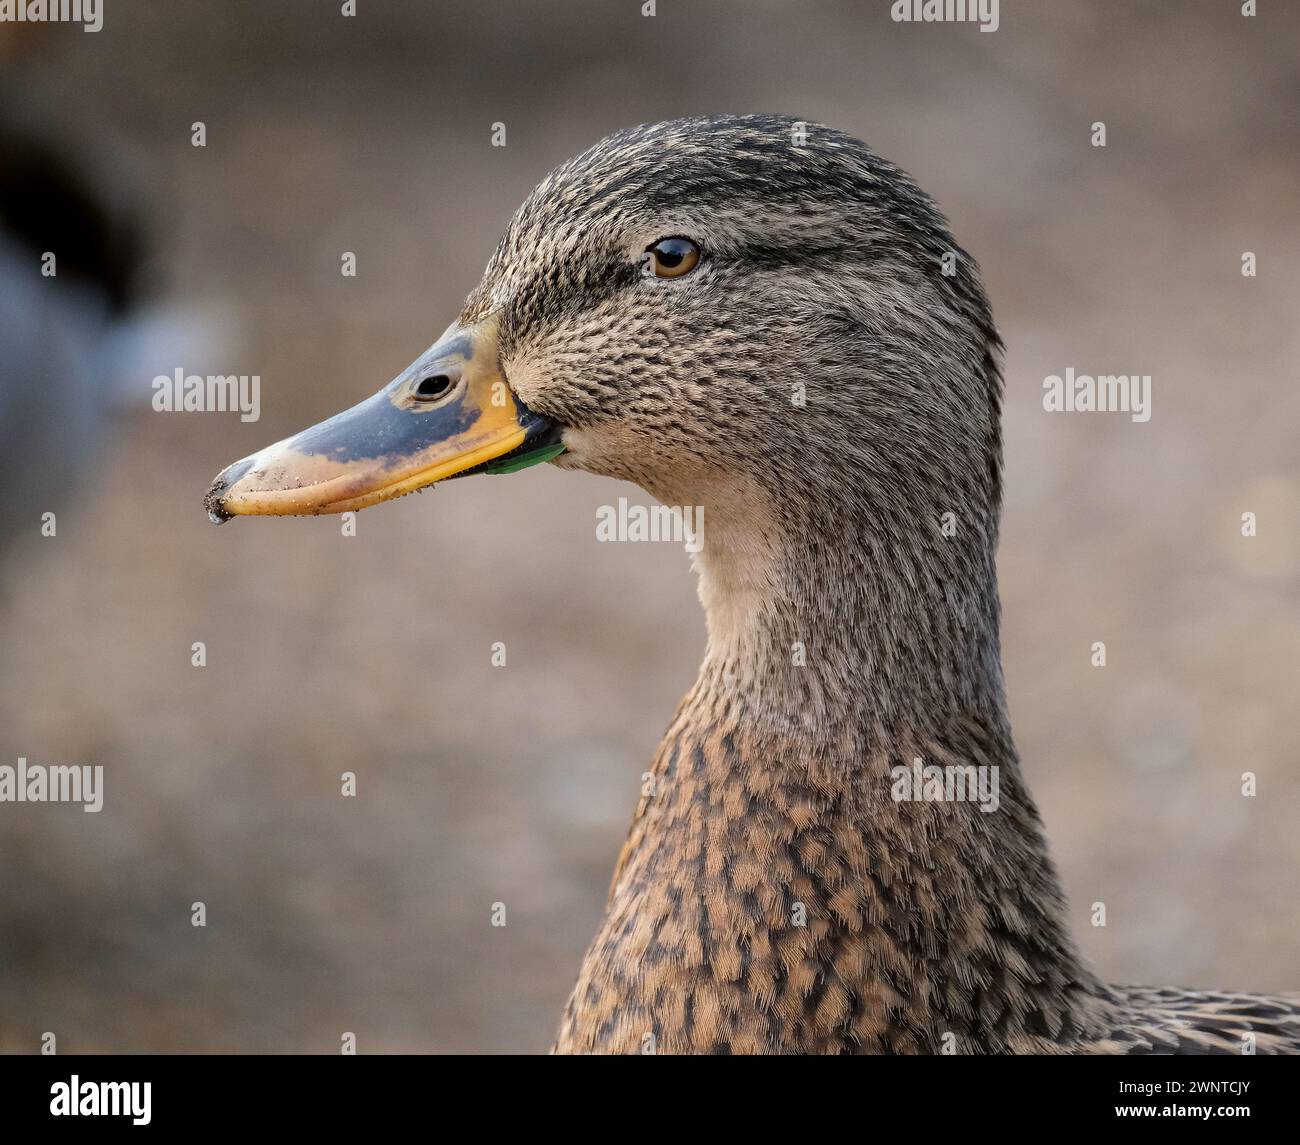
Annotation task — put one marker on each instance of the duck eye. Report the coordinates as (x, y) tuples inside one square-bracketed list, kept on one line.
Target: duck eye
[(671, 258)]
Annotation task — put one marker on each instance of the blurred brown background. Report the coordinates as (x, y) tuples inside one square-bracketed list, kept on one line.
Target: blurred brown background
[(371, 654)]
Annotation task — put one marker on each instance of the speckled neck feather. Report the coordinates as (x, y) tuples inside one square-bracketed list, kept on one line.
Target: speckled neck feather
[(772, 895)]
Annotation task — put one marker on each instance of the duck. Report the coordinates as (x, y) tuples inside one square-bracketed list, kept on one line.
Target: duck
[(759, 317)]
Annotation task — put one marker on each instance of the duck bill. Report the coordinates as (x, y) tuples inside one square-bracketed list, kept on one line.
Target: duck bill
[(449, 414)]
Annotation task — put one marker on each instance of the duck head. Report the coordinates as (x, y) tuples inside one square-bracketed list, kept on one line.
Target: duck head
[(752, 311)]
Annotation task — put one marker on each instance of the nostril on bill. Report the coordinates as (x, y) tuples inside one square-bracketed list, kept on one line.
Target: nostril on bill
[(433, 387)]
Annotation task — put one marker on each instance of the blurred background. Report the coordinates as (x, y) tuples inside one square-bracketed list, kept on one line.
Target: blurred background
[(371, 653)]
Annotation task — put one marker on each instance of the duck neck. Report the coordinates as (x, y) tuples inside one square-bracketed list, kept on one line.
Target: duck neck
[(794, 831), (831, 624)]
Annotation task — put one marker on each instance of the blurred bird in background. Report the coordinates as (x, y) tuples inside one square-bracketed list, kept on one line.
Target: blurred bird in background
[(66, 337), (79, 336)]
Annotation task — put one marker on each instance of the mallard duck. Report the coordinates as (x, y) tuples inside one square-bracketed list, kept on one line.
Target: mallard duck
[(760, 317)]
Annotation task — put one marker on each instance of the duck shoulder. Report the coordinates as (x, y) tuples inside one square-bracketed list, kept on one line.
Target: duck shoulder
[(1168, 1020)]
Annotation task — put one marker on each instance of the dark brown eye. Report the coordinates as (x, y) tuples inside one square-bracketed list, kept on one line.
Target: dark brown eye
[(671, 258)]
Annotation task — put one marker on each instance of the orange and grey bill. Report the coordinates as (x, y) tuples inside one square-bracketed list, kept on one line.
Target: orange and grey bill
[(449, 413)]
